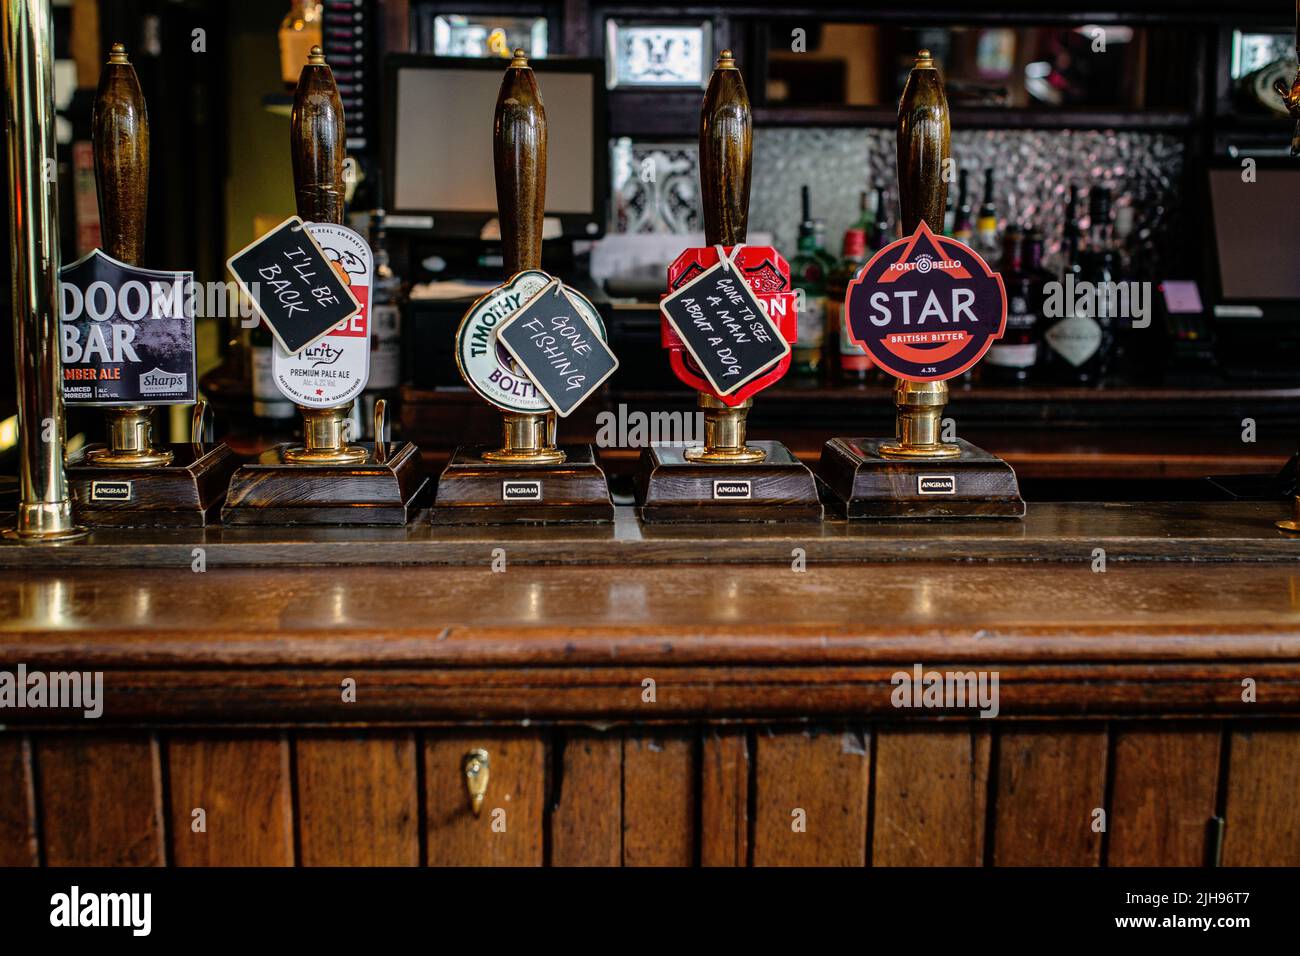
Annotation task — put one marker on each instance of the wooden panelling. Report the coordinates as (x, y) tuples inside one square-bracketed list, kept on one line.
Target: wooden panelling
[(508, 829), (1164, 784), (1263, 802), (1049, 785), (101, 800), (724, 797), (242, 784), (586, 818), (17, 803), (811, 798), (659, 782), (357, 800), (930, 797)]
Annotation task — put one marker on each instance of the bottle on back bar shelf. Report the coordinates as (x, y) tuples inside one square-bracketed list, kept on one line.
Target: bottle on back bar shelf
[(1011, 359), (385, 331), (851, 363), (963, 225), (986, 227), (808, 271), (1079, 329), (272, 410)]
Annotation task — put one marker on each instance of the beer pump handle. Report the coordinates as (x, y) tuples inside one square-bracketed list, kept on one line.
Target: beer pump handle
[(1291, 94), (317, 141), (519, 155), (120, 131), (923, 145), (726, 149)]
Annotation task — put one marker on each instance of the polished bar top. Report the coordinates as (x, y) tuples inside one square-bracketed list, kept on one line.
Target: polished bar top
[(1193, 600), (1064, 532)]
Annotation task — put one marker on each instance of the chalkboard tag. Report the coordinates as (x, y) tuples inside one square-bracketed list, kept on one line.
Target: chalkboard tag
[(557, 347), (334, 369), (723, 326), (292, 285)]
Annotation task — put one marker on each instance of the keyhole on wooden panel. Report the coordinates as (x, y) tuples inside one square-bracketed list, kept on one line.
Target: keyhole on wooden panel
[(475, 766)]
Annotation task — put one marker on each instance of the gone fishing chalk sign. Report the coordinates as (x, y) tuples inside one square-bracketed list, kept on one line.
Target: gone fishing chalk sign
[(557, 348)]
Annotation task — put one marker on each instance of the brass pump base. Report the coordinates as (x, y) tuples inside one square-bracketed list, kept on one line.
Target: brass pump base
[(528, 439), (920, 414), (130, 430), (324, 432), (1292, 523), (724, 435)]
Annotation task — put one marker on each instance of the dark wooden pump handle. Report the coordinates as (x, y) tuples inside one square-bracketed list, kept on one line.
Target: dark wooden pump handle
[(317, 142), (726, 153), (519, 156), (924, 138), (120, 132)]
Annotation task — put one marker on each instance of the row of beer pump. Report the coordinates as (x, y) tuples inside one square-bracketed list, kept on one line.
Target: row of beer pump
[(535, 348)]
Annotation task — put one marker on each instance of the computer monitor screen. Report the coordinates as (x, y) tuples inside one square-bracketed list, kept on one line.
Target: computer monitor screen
[(1255, 233), (441, 142)]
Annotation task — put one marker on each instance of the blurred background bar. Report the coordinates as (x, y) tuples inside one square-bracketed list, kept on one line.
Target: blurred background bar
[(1139, 143)]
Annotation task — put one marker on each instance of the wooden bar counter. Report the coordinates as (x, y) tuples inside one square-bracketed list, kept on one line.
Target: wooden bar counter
[(682, 696)]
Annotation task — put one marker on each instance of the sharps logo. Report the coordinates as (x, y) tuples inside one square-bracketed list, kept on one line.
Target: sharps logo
[(950, 690), (130, 910), (158, 382)]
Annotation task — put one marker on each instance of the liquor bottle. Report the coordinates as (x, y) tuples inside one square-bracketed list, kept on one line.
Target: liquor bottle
[(272, 410), (1012, 358), (1080, 333), (385, 330), (1070, 234), (850, 361), (963, 221), (808, 271), (986, 227)]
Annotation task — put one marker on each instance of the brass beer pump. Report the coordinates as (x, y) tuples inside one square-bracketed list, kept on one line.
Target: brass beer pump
[(527, 479), (728, 478), (916, 473), (325, 480), (519, 156), (726, 166), (924, 143), (317, 141), (120, 132)]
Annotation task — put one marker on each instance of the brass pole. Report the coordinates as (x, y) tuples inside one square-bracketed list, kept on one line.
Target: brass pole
[(44, 505), (726, 153), (519, 155), (923, 144)]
